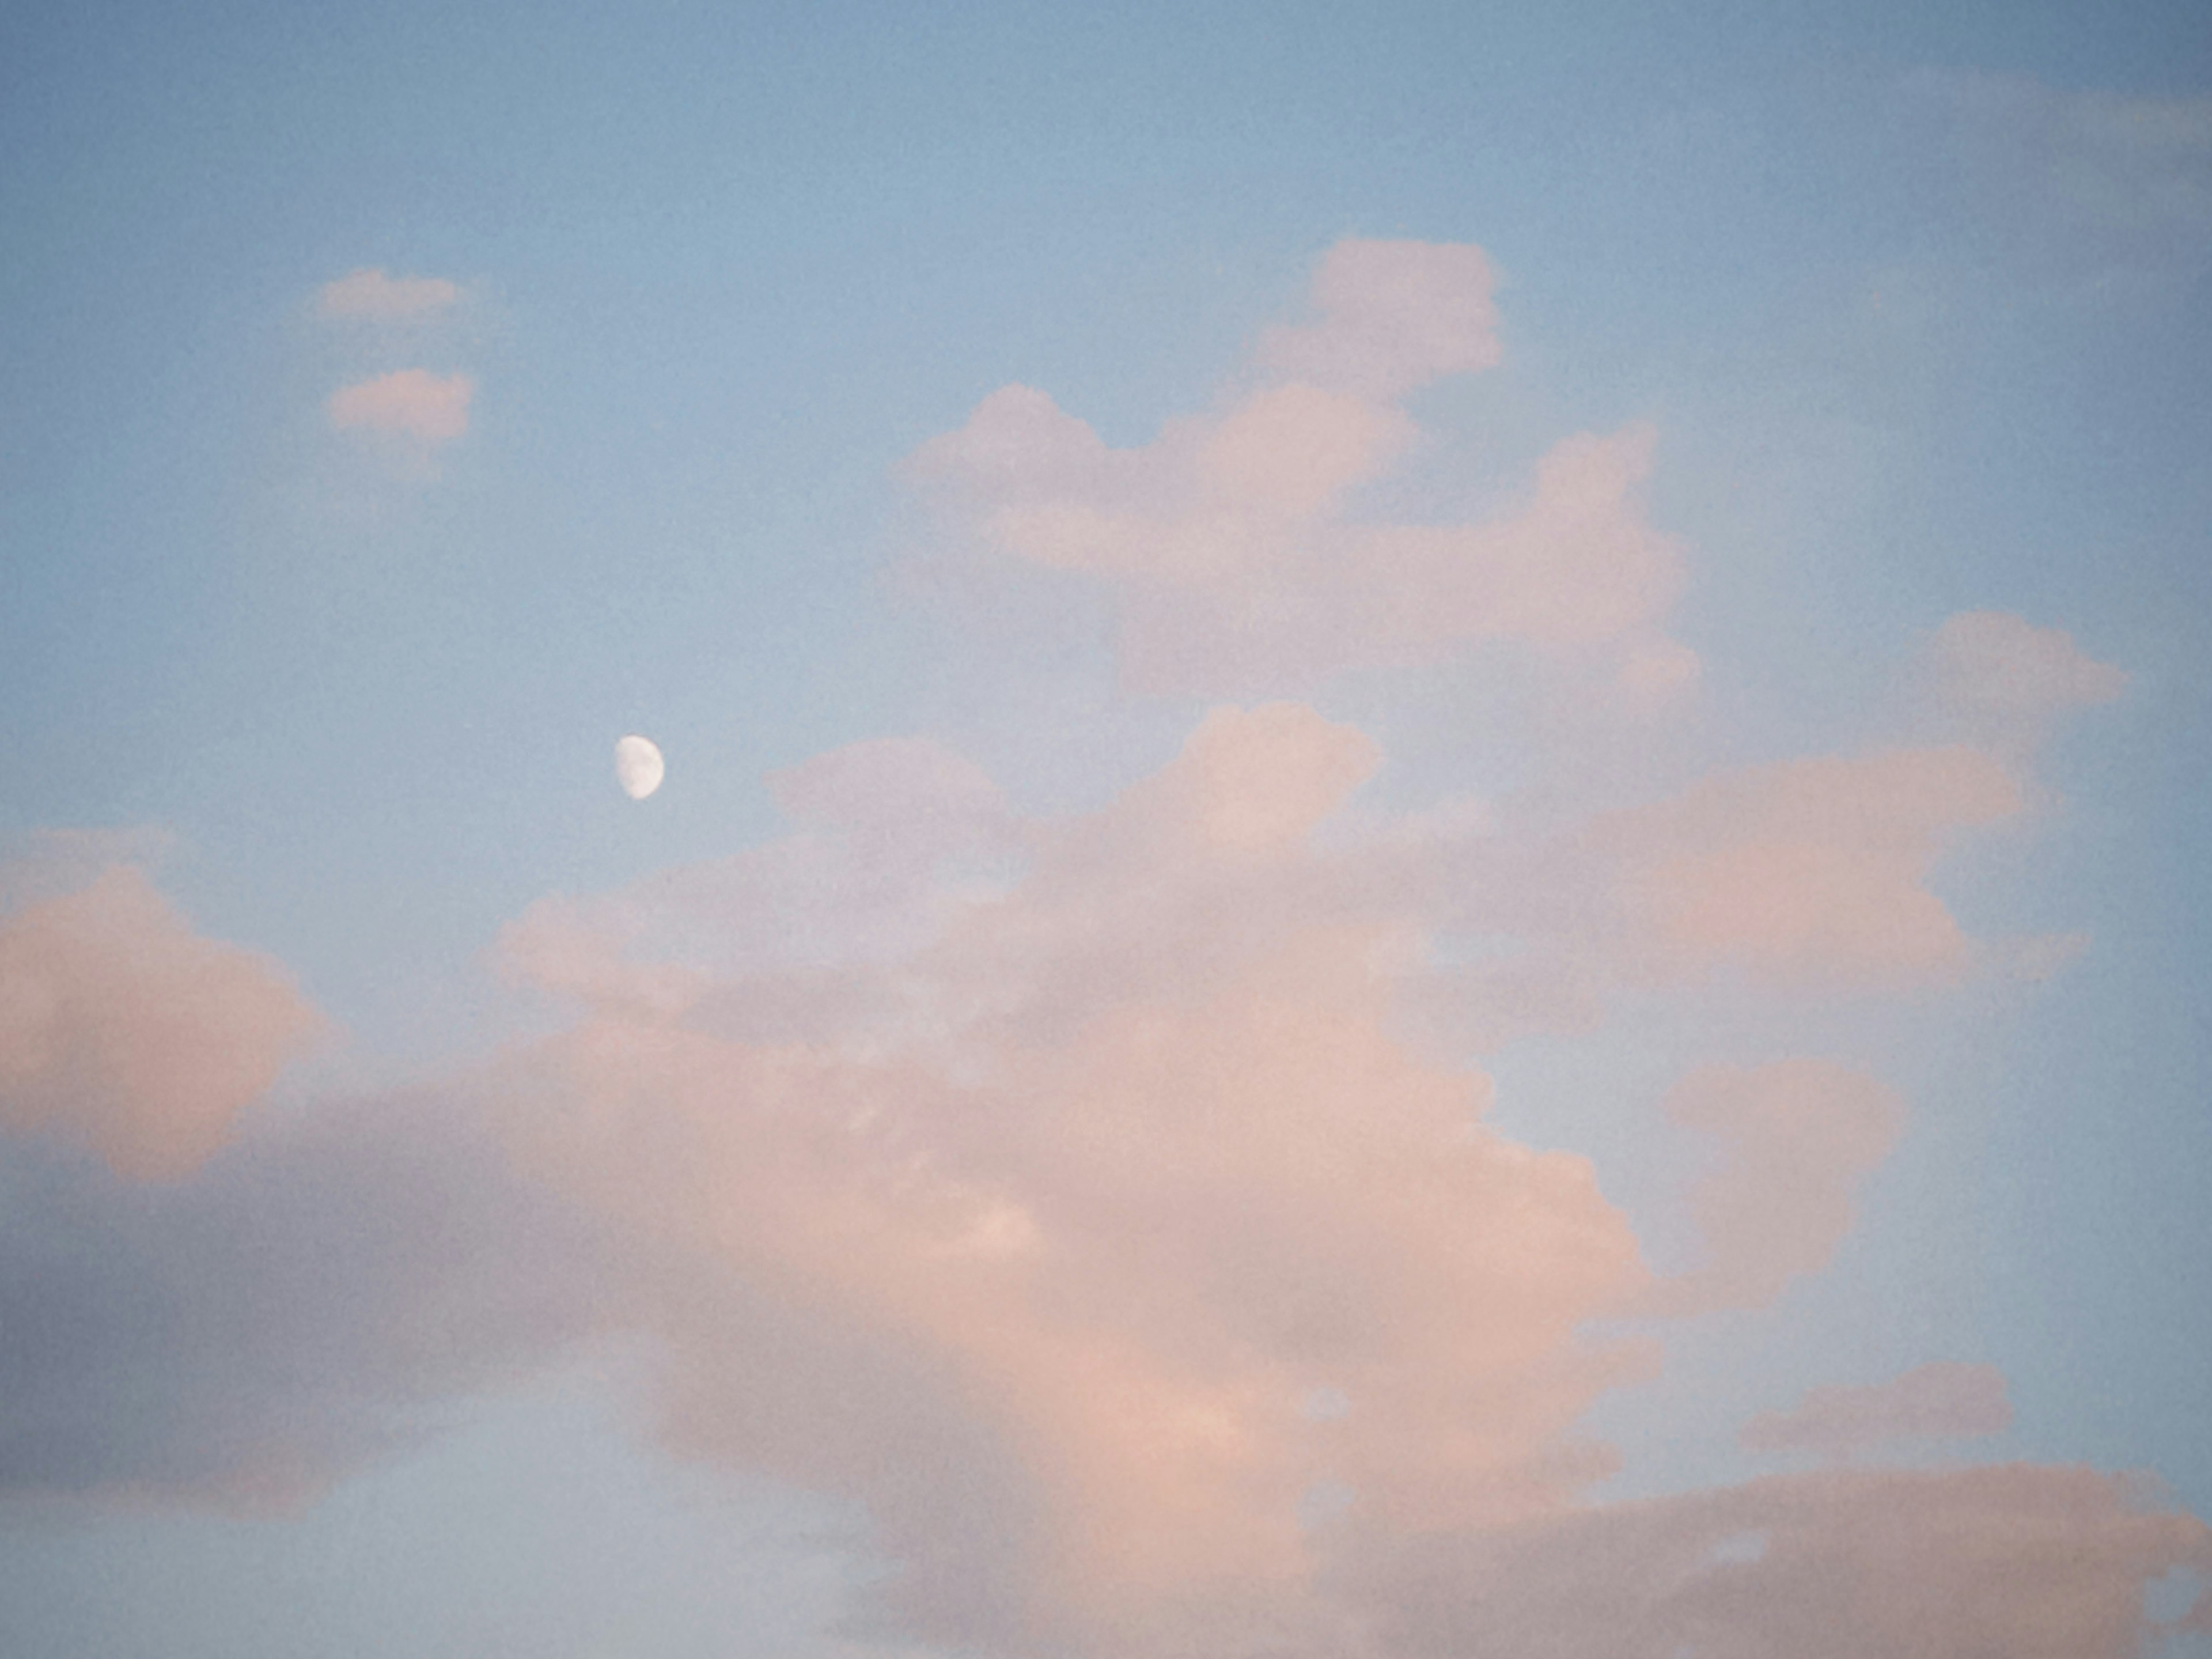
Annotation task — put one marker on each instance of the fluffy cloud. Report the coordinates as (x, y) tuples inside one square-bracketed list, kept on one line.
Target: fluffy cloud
[(1101, 1183), (410, 403), (1233, 547), (1943, 1399), (1050, 1169), (124, 1032), (376, 297)]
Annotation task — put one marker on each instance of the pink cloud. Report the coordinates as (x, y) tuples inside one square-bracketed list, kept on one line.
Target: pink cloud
[(1058, 1195), (1028, 1180), (373, 295), (1101, 1180), (1101, 1164), (1233, 547), (1808, 876), (1943, 1399), (411, 403), (892, 836), (1393, 316), (1798, 1135), (123, 1031), (1805, 871), (1099, 1198)]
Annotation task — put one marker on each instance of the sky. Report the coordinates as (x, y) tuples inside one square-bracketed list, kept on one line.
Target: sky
[(1429, 877)]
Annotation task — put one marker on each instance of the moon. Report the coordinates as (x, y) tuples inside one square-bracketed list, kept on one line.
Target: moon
[(638, 766)]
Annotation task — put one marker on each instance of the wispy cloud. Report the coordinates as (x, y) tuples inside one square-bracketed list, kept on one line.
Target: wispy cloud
[(1944, 1400), (2076, 179), (371, 295)]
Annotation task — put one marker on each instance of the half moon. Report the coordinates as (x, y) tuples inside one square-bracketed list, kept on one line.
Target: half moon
[(638, 767)]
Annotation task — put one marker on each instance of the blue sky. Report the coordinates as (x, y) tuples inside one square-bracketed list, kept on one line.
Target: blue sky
[(1909, 306)]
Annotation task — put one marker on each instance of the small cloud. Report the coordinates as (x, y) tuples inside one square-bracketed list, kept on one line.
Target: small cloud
[(1800, 1135), (1808, 872), (1995, 681), (412, 402), (1945, 1401), (1393, 316), (376, 297), (1992, 664)]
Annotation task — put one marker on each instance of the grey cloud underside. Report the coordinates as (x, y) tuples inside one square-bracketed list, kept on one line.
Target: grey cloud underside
[(320, 1294)]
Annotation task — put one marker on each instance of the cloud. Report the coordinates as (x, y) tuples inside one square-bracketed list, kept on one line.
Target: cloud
[(1030, 1181), (372, 296), (1943, 1399), (1094, 1145), (1992, 661), (48, 864), (1807, 877), (2031, 1562), (1051, 1170), (2080, 180), (411, 403), (1393, 316), (325, 1291), (2000, 681), (1104, 1200), (1040, 1235), (124, 1032), (893, 835), (1233, 547), (1808, 872), (1798, 1136)]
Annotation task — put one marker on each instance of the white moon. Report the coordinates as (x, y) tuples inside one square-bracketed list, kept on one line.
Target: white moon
[(638, 767)]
